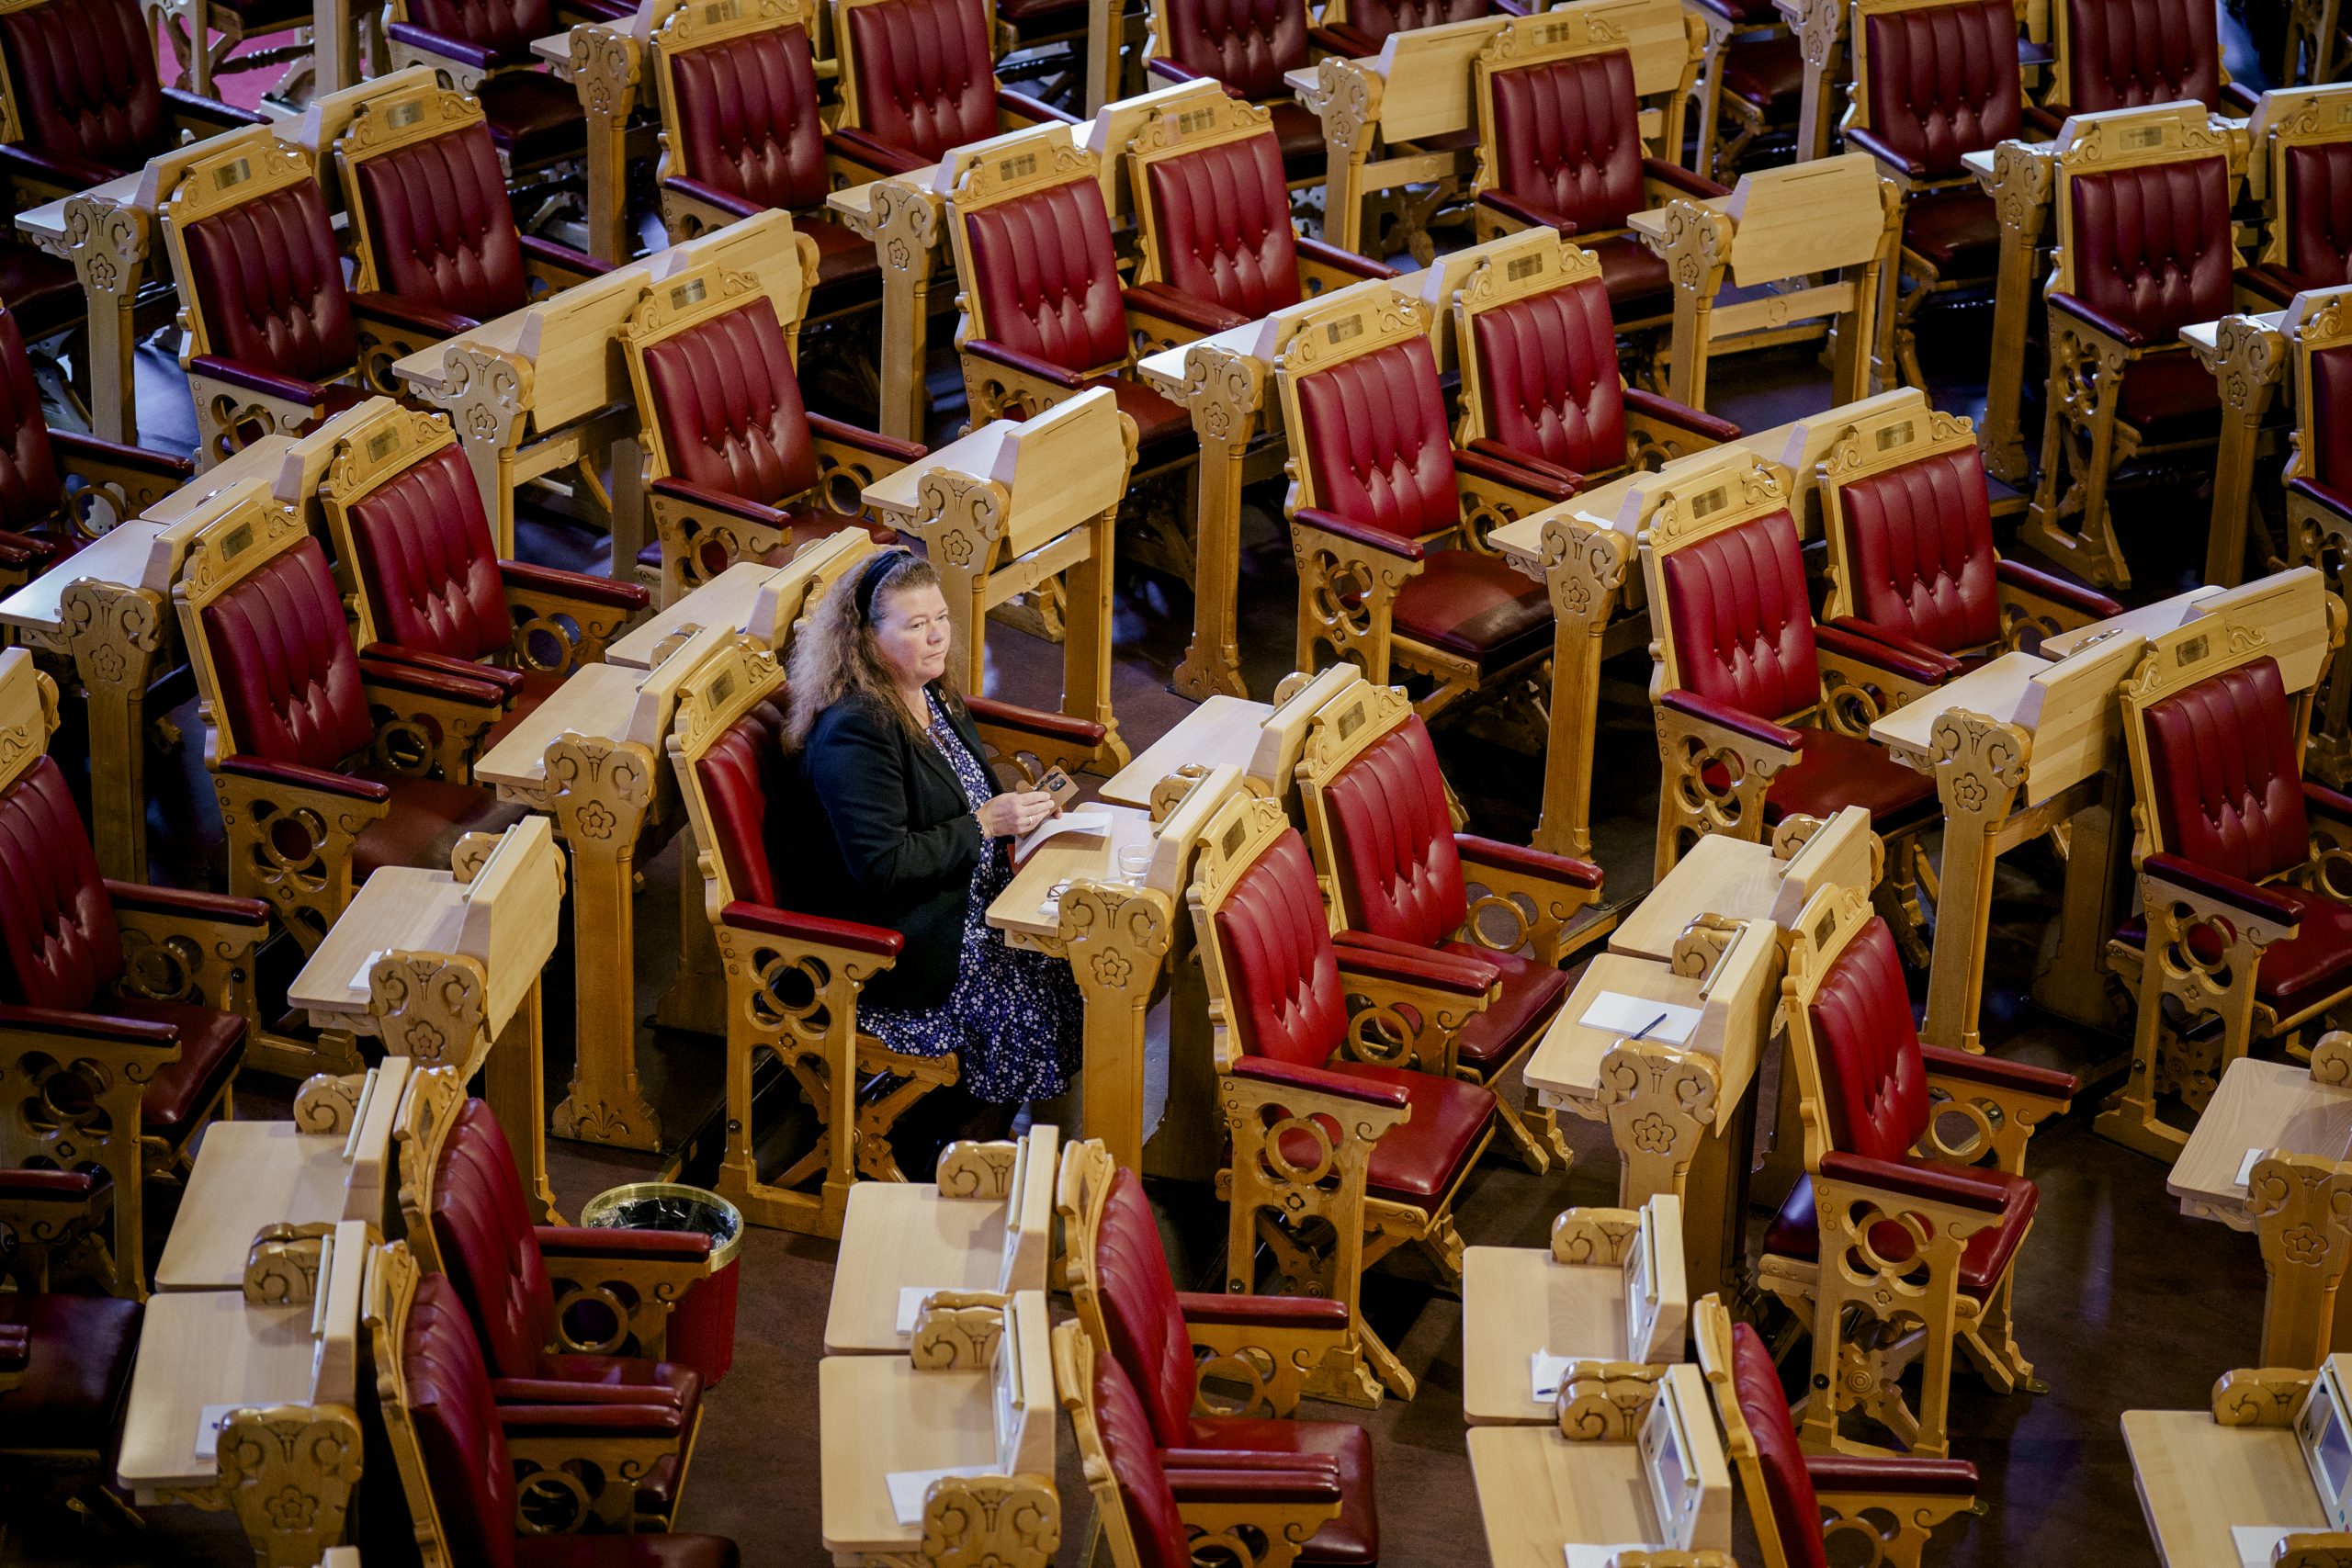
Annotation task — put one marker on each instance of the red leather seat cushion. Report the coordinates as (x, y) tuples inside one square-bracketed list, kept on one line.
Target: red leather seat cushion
[(74, 1383), (2309, 967), (1222, 217), (1795, 1231), (847, 268), (624, 1552), (211, 1045), (1836, 771), (534, 118), (442, 228), (1476, 605), (1755, 1384), (1547, 372), (1046, 278), (1766, 73), (40, 289), (747, 119), (1355, 1537), (926, 75), (1377, 440), (1306, 155), (1741, 621), (1378, 18), (1957, 231), (426, 561), (732, 418), (1246, 45), (1416, 1164), (2142, 51), (1943, 81), (1531, 993), (427, 819), (1635, 276), (86, 84), (1568, 137), (626, 1371), (1163, 428), (268, 278), (2170, 397), (1921, 537), (1392, 841)]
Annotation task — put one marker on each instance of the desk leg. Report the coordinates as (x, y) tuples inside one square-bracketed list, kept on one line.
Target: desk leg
[(1584, 569), (2300, 1205), (1820, 29), (696, 1002), (2246, 361), (513, 1082), (1190, 1143), (107, 244), (335, 48), (1225, 393), (605, 67), (115, 632), (1086, 639), (2072, 982), (602, 792), (906, 239), (1663, 1114), (1106, 23), (2020, 190), (288, 1472), (486, 395), (1979, 766), (1116, 941), (628, 507)]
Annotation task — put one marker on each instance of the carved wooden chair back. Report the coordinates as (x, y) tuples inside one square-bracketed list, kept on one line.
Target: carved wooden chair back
[(694, 45), (253, 248), (1026, 214), (2318, 329), (1912, 554), (1369, 340), (1538, 348), (2299, 158), (2099, 166), (429, 1104), (703, 302), (1733, 515), (257, 533), (1208, 175)]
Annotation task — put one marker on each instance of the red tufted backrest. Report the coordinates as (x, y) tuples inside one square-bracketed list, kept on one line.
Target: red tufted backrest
[(1376, 435), (1283, 980), (1568, 137), (1548, 366), (746, 777), (1787, 1483), (449, 1400), (1920, 540), (926, 78), (730, 407), (2124, 53), (268, 280), (84, 72), (283, 660), (1245, 44), (487, 1247), (56, 922), (1944, 80), (29, 490), (2152, 244), (427, 562), (1047, 277), (2319, 213), (506, 25), (442, 226), (2330, 459), (1867, 1049), (1140, 1308), (1743, 627), (747, 117), (1392, 839), (1129, 1445), (1223, 217), (2222, 766), (1377, 18)]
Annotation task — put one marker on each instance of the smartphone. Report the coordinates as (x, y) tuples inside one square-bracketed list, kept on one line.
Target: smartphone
[(1060, 785)]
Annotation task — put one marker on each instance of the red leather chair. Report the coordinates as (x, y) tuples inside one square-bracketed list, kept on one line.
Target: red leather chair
[(1377, 486), (485, 46), (1540, 384), (2145, 248), (66, 1360), (1143, 1493), (313, 750), (1394, 1143), (2312, 195), (1560, 147), (433, 593), (1870, 1094), (1754, 76), (122, 1007), (2125, 54), (1911, 556), (1165, 1341), (1246, 45), (738, 467), (1378, 815), (918, 77), (2318, 475), (460, 1447), (1356, 29), (740, 114)]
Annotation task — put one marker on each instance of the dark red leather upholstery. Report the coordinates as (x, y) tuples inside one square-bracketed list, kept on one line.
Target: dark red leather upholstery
[(1126, 1428), (1377, 440), (730, 408), (1420, 1162), (1245, 44), (427, 562), (926, 77), (1766, 73), (2328, 459), (2124, 53), (744, 777), (1548, 365), (1223, 217), (1392, 840), (1530, 994), (1284, 981), (77, 1376), (2319, 214), (1375, 20), (1567, 138), (1476, 605), (1868, 1050), (2151, 243), (84, 71), (57, 925), (534, 118), (289, 676), (1954, 230), (29, 490), (1835, 771), (2223, 769), (441, 226), (1046, 276), (1943, 81), (1742, 624), (268, 279), (747, 117), (1921, 537), (505, 27), (1755, 1384)]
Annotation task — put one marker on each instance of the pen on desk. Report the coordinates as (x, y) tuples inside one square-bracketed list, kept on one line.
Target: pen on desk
[(1648, 1027)]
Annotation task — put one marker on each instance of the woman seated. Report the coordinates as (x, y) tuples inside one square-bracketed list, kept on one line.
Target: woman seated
[(919, 841)]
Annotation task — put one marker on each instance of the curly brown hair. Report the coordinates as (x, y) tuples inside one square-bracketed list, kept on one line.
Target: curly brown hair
[(833, 653)]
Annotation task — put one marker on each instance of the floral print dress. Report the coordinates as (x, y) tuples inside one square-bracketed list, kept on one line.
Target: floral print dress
[(1014, 1016)]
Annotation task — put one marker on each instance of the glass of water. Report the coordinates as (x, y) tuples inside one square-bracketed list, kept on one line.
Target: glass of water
[(1135, 861)]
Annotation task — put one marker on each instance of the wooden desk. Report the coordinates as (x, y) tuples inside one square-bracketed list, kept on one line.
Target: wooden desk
[(901, 216), (1538, 1491), (724, 601), (1515, 1302), (118, 555), (906, 1235), (891, 1417), (104, 233), (1019, 911), (2196, 1479), (1222, 729), (200, 1348), (1717, 875), (2017, 175), (252, 1174), (1565, 1067), (2259, 1105)]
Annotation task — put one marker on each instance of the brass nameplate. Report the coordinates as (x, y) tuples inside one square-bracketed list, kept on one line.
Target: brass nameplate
[(1340, 332), (1231, 845), (722, 689), (379, 446), (1825, 929), (230, 174), (236, 541), (2147, 136), (405, 114), (722, 11), (2189, 652), (1523, 266), (1191, 120), (1549, 33), (690, 292), (1709, 501), (1895, 435), (1351, 721), (1014, 168)]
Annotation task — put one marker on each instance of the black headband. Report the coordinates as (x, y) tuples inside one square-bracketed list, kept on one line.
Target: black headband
[(871, 578)]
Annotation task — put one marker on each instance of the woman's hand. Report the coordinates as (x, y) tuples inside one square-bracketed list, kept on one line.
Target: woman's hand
[(1015, 813)]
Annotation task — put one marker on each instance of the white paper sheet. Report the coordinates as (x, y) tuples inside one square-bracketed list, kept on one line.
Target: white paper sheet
[(911, 1299), (1621, 1014), (1095, 822), (2246, 1165), (360, 977), (1544, 1375), (2254, 1542), (207, 1427), (907, 1487)]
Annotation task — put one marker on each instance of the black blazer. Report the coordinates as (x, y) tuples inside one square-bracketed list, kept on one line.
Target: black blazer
[(903, 843)]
